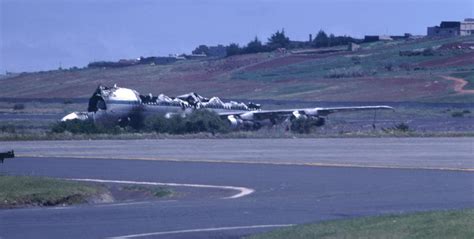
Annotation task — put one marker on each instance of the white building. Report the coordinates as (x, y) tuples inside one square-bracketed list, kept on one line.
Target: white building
[(467, 27)]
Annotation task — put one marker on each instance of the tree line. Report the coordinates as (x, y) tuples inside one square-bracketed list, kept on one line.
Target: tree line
[(280, 40)]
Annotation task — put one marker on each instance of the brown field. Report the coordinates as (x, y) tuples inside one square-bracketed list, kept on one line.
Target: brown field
[(376, 73)]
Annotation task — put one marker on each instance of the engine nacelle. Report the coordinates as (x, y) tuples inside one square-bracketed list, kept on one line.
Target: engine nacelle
[(313, 117), (299, 115), (238, 123), (234, 121)]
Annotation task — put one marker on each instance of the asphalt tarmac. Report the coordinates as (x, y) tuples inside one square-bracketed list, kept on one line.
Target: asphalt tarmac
[(438, 153), (284, 195)]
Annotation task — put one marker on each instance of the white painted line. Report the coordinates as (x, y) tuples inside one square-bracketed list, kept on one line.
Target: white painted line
[(200, 230), (242, 190)]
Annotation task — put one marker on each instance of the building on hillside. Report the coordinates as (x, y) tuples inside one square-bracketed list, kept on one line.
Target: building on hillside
[(405, 36), (445, 29), (467, 27), (353, 46), (195, 56), (375, 38), (452, 28)]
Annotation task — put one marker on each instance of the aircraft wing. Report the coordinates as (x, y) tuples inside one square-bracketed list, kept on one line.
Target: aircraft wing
[(285, 113)]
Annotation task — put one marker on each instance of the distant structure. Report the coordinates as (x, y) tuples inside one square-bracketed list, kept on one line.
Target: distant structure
[(353, 46), (445, 29), (374, 38), (452, 28), (217, 51), (467, 27), (152, 60), (195, 56)]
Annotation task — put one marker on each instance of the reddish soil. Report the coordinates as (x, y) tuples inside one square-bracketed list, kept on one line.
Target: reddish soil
[(381, 89), (460, 60), (287, 60)]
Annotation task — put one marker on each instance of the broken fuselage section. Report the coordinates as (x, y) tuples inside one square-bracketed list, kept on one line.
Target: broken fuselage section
[(116, 105)]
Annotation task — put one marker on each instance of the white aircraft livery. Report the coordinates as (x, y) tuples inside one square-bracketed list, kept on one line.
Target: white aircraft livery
[(117, 104)]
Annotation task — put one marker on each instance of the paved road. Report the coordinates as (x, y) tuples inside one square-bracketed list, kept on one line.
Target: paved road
[(285, 194), (455, 153)]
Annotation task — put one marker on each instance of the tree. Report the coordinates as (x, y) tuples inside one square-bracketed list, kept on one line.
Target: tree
[(254, 46), (233, 49), (321, 39), (332, 41), (278, 40), (202, 49)]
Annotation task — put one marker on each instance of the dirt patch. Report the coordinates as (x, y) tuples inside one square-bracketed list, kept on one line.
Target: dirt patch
[(379, 89), (459, 84), (288, 60)]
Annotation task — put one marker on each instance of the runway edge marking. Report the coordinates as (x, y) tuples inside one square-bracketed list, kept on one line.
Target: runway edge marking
[(243, 191), (313, 164), (200, 230)]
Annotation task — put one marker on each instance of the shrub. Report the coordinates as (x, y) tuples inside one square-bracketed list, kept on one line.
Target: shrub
[(401, 127), (301, 126), (346, 72), (197, 121), (82, 127), (304, 126), (388, 66), (428, 52), (457, 114), (19, 107), (356, 60), (7, 129)]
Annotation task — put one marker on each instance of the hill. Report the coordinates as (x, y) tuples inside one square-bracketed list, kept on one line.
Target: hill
[(424, 70)]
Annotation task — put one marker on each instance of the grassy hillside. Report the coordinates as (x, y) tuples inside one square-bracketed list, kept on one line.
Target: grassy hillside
[(376, 73), (442, 224)]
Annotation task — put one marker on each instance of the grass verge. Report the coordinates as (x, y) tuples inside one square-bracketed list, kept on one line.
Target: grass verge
[(20, 191), (232, 135), (440, 224), (158, 192)]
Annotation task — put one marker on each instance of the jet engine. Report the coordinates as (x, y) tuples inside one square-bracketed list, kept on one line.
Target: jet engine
[(236, 122), (316, 120)]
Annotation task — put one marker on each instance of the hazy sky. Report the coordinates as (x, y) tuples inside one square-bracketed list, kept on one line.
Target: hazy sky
[(42, 34)]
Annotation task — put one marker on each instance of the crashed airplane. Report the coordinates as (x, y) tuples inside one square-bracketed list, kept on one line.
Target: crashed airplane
[(117, 105)]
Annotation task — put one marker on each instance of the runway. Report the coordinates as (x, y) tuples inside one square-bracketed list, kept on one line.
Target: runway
[(284, 195), (431, 153)]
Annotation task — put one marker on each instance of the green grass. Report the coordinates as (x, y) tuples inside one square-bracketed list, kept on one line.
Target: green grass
[(371, 63), (260, 134), (18, 191), (429, 225), (154, 191)]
